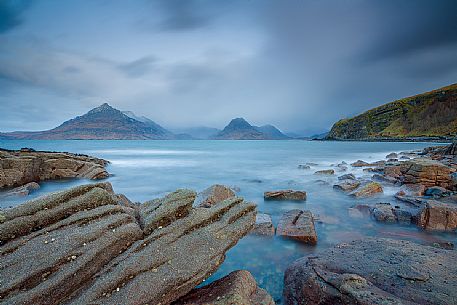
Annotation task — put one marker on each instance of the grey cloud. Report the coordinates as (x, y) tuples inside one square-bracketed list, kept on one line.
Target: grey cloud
[(10, 13), (138, 67)]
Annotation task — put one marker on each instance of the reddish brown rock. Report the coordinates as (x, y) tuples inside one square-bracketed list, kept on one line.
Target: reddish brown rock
[(20, 167), (367, 190), (298, 225), (360, 163), (393, 171), (285, 195), (438, 216), (426, 172), (212, 195), (237, 288), (411, 190)]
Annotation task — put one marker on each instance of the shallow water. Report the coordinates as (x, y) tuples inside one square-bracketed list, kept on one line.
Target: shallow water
[(143, 170)]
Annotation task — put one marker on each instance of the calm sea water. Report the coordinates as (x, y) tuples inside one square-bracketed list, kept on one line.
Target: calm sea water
[(143, 170)]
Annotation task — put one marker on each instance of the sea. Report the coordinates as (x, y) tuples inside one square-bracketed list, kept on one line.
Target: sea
[(144, 170)]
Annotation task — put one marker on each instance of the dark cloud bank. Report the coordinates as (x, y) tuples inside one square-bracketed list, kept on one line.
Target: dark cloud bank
[(299, 65)]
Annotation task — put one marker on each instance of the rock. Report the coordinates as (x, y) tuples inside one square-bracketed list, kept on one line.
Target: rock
[(302, 166), (436, 191), (359, 210), (413, 200), (451, 150), (263, 225), (347, 185), (405, 158), (360, 163), (20, 167), (454, 178), (403, 216), (438, 216), (325, 172), (81, 247), (311, 164), (383, 212), (212, 195), (347, 177), (373, 271), (299, 225), (393, 171), (367, 190), (384, 179), (392, 156), (426, 172), (411, 190), (237, 288), (285, 195), (374, 169), (21, 191)]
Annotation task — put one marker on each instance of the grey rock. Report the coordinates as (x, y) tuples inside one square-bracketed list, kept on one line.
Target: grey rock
[(285, 195), (347, 177), (263, 225), (212, 195)]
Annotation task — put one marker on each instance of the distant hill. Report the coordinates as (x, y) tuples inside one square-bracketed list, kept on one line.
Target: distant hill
[(101, 123), (200, 133), (431, 114), (240, 129)]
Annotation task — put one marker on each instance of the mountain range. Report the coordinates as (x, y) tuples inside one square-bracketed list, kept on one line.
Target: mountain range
[(428, 115), (107, 123)]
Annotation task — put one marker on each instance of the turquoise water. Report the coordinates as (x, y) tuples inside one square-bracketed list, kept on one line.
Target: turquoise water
[(143, 170)]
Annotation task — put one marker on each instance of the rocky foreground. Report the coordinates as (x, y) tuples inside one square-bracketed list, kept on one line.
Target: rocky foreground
[(88, 245), (18, 168)]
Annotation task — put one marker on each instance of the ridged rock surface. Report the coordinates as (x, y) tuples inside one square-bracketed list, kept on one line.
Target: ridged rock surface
[(438, 216), (20, 167), (373, 271), (237, 288), (426, 172), (83, 246), (299, 225)]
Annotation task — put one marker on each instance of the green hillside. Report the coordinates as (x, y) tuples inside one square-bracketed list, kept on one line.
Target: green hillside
[(430, 114)]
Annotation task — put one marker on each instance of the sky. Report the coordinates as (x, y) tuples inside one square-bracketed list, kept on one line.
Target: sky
[(300, 65)]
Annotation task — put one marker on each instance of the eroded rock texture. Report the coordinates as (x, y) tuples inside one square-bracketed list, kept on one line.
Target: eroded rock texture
[(285, 195), (426, 172), (20, 167), (299, 225), (82, 246), (373, 271)]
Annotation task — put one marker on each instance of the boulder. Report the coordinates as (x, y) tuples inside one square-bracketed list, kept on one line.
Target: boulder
[(285, 195), (299, 225), (20, 167), (212, 195), (347, 177), (373, 271), (392, 156), (438, 216), (392, 171), (263, 225), (426, 172), (81, 246), (325, 172), (384, 179), (359, 211), (367, 190), (383, 212), (304, 166), (436, 191), (360, 163), (411, 190), (347, 185), (237, 288), (21, 191)]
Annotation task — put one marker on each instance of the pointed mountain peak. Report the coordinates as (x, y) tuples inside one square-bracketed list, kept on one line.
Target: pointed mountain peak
[(105, 107), (239, 123)]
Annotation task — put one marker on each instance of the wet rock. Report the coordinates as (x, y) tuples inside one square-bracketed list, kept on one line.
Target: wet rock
[(299, 225), (311, 164), (413, 200), (237, 288), (392, 156), (303, 166), (20, 167), (285, 195), (438, 216), (405, 158), (373, 169), (373, 271), (454, 178), (347, 185), (436, 191), (384, 179), (392, 171), (359, 211), (383, 212), (426, 172), (347, 177), (81, 246), (21, 191), (360, 163), (411, 190), (212, 195), (325, 172), (367, 190), (263, 225)]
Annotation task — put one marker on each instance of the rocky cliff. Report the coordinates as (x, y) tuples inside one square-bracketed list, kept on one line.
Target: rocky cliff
[(431, 114)]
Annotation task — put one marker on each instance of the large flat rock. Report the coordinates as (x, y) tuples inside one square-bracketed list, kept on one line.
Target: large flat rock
[(285, 195), (20, 167), (299, 225), (438, 216), (82, 246), (373, 271), (426, 172)]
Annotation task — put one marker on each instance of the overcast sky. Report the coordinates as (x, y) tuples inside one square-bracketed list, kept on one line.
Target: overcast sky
[(300, 65)]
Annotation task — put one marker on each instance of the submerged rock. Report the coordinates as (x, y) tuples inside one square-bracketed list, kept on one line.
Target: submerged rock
[(237, 288), (373, 271), (297, 224), (367, 190), (438, 216), (384, 179), (285, 195), (360, 163), (347, 177), (347, 185), (263, 225), (20, 167), (21, 191), (81, 246), (304, 166), (392, 156), (212, 195), (436, 191), (325, 172)]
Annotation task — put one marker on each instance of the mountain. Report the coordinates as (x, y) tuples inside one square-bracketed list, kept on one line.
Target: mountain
[(240, 129), (101, 123), (431, 114), (200, 133)]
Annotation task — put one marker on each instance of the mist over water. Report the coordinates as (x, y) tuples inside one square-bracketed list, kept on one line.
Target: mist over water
[(143, 170)]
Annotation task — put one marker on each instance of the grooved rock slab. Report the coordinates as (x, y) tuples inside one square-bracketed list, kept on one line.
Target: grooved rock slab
[(373, 271), (297, 224), (426, 172), (285, 195), (82, 246), (237, 288), (438, 216), (20, 167), (212, 195)]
